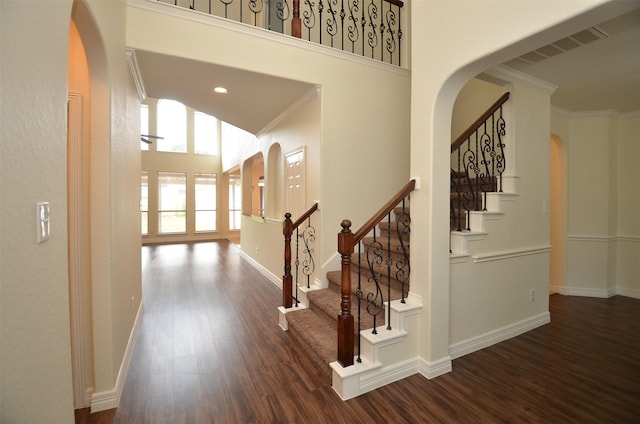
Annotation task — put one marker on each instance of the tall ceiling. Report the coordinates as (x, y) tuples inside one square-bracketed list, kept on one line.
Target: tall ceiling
[(596, 69)]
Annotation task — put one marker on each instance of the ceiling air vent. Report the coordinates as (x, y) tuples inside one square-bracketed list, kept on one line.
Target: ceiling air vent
[(578, 39)]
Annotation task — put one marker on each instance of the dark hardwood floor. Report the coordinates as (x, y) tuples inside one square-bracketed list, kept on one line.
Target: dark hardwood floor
[(210, 350)]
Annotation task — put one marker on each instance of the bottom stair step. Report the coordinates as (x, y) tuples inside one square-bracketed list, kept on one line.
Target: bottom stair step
[(315, 335)]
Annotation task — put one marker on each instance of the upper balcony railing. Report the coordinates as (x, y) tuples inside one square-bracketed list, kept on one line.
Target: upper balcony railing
[(369, 28)]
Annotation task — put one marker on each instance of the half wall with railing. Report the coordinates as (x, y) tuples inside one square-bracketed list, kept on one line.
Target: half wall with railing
[(369, 28)]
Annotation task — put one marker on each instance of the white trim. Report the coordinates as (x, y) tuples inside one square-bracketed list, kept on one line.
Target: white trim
[(76, 292), (511, 75), (599, 239), (257, 32), (264, 271), (631, 239), (513, 253), (482, 341), (311, 93), (435, 368), (587, 292), (628, 292), (136, 74), (109, 399)]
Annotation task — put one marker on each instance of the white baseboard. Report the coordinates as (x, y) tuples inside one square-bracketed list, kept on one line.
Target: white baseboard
[(628, 292), (277, 281), (435, 368), (587, 292), (473, 344), (109, 399)]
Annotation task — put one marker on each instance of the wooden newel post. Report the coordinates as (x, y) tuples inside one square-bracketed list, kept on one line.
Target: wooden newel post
[(287, 281), (296, 23), (345, 319)]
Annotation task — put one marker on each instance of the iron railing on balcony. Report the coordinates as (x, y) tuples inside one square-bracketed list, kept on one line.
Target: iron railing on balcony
[(477, 164), (370, 28), (304, 261), (382, 266)]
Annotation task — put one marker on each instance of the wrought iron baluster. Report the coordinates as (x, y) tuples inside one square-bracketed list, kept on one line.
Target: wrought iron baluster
[(359, 296), (320, 9), (403, 266), (375, 299), (500, 159), (372, 35), (382, 29), (352, 28), (256, 6), (391, 40), (389, 264), (309, 18), (399, 39), (308, 265), (297, 263), (282, 10), (332, 23), (226, 4)]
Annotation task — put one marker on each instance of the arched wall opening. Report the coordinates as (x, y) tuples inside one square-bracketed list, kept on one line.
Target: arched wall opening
[(89, 173), (558, 215)]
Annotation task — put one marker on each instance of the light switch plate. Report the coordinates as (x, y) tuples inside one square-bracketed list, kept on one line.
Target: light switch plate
[(42, 221)]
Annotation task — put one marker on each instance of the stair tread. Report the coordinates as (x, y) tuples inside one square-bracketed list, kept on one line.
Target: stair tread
[(328, 301), (316, 333)]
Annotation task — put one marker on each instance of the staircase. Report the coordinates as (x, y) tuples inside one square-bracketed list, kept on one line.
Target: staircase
[(355, 328), (468, 194), (315, 327)]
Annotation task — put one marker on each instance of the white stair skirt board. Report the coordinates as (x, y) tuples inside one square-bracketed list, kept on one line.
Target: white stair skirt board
[(371, 373), (473, 344), (109, 399), (282, 315)]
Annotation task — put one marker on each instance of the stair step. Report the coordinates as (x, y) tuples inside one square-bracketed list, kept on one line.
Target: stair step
[(334, 284), (315, 335)]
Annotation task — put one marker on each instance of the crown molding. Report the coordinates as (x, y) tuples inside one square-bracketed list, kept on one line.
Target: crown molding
[(135, 73), (510, 75)]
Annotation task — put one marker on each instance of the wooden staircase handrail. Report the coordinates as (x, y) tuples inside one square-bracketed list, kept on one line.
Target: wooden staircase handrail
[(388, 207), (288, 227), (347, 241), (473, 127), (304, 216)]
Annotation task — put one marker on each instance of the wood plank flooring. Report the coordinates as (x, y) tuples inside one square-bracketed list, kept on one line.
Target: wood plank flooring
[(210, 351)]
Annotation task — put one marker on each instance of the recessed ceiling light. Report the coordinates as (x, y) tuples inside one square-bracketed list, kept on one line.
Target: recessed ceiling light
[(220, 90)]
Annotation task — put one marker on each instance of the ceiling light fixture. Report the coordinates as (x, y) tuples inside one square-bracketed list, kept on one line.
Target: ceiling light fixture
[(220, 90)]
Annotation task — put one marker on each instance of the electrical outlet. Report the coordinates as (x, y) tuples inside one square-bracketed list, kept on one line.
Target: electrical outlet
[(532, 295), (133, 304), (42, 222), (257, 251)]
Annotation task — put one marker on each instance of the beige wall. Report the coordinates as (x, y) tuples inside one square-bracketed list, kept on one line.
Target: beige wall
[(35, 339), (34, 308), (358, 124), (602, 202), (489, 295), (435, 85)]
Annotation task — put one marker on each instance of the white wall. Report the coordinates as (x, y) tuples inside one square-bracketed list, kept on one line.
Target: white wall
[(35, 340), (34, 309), (439, 70), (489, 296), (628, 213), (603, 224)]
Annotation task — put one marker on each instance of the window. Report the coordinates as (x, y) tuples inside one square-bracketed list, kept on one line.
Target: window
[(205, 202), (172, 202), (235, 202), (144, 125), (205, 134), (172, 125), (144, 203)]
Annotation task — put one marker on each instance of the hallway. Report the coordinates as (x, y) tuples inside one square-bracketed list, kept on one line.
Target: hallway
[(210, 350)]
